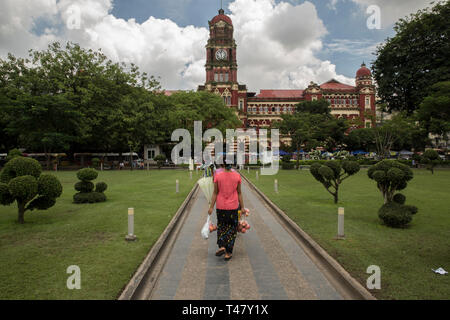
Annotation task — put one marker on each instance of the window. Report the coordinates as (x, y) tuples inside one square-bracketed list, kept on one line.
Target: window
[(241, 104), (226, 77), (314, 98), (216, 77), (368, 124), (367, 102)]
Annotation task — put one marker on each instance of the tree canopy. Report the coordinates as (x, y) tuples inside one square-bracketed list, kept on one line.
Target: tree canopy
[(409, 63), (71, 99)]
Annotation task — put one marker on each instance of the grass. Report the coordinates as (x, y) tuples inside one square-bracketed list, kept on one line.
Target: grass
[(34, 257), (405, 256)]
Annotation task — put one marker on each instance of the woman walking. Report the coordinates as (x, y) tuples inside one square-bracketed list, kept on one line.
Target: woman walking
[(227, 197)]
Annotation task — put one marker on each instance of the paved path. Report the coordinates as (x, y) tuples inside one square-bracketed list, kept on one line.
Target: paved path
[(267, 262)]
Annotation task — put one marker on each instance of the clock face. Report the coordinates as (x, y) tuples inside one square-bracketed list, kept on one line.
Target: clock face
[(221, 54)]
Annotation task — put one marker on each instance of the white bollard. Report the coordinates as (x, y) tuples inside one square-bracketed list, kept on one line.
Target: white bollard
[(190, 175), (276, 186), (340, 234), (257, 175), (130, 236), (248, 169), (177, 186)]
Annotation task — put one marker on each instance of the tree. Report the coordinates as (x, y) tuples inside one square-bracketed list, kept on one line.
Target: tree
[(312, 125), (431, 159), (22, 181), (390, 176), (400, 132), (360, 139), (414, 59), (330, 174), (434, 111)]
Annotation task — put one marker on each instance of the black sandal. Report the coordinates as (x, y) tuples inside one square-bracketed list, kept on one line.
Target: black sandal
[(220, 252)]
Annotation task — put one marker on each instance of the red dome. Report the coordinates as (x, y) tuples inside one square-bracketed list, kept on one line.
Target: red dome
[(221, 17), (363, 72)]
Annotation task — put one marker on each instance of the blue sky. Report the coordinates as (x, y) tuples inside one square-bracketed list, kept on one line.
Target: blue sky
[(281, 43), (345, 21)]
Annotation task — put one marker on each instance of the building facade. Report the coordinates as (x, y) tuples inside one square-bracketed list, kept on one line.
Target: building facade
[(263, 109)]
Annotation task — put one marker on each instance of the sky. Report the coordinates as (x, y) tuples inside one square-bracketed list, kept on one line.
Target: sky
[(282, 44)]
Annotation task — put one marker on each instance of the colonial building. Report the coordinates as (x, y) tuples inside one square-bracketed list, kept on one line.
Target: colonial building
[(263, 109)]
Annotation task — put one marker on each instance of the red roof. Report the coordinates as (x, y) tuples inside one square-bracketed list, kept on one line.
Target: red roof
[(335, 85), (280, 94), (363, 72), (223, 17)]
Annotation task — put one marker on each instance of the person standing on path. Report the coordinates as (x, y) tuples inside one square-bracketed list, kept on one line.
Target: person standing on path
[(227, 197)]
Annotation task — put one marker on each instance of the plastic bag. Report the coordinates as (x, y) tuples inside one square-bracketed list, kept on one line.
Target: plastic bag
[(205, 229)]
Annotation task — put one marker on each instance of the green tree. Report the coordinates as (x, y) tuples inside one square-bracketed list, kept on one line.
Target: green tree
[(331, 174), (434, 111), (390, 176), (431, 159), (22, 181), (415, 58)]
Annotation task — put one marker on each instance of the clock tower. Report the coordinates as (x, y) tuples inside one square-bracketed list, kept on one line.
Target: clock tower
[(221, 65)]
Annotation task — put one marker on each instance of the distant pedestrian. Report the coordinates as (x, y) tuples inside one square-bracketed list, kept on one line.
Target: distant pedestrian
[(228, 198)]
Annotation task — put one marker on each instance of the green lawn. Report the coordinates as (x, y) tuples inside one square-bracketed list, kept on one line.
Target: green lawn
[(405, 256), (34, 257)]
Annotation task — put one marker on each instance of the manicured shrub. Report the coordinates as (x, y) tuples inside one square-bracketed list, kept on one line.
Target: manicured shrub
[(20, 166), (287, 165), (331, 176), (42, 203), (23, 188), (5, 196), (101, 187), (13, 154), (399, 198), (49, 186), (22, 182), (87, 174), (85, 187), (395, 215), (390, 176)]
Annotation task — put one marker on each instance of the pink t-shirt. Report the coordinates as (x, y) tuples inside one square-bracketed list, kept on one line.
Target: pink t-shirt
[(227, 198)]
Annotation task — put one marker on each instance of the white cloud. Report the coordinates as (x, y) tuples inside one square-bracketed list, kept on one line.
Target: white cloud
[(392, 11), (277, 42)]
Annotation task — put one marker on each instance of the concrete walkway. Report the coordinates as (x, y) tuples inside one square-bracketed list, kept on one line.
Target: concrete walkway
[(267, 262)]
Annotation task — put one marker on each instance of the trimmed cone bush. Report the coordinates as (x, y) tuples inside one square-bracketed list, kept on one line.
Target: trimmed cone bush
[(21, 181), (85, 187)]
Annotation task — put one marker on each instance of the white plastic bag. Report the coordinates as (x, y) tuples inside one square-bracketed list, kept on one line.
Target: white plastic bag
[(205, 229)]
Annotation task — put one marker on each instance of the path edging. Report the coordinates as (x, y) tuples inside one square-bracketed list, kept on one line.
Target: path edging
[(152, 257), (359, 291)]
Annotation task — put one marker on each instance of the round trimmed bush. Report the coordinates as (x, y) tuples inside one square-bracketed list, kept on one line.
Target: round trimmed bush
[(84, 186), (399, 198), (42, 203), (101, 187), (20, 166), (49, 186), (91, 197), (87, 174), (412, 209), (395, 215), (23, 188), (5, 196)]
